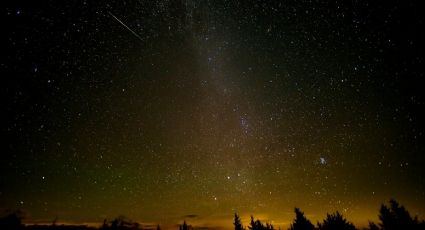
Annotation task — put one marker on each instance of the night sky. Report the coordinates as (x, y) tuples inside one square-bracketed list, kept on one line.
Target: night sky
[(188, 109)]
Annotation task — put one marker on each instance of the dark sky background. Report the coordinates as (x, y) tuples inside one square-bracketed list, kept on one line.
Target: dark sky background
[(187, 109)]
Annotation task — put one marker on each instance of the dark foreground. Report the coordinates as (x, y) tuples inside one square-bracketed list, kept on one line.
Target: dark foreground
[(392, 217)]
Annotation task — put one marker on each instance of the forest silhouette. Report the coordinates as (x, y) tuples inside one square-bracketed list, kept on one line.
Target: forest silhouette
[(391, 217)]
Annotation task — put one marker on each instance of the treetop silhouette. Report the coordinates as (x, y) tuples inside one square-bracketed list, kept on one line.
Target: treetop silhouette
[(12, 220), (258, 225), (391, 217), (301, 222), (335, 221), (238, 223), (396, 217), (184, 226)]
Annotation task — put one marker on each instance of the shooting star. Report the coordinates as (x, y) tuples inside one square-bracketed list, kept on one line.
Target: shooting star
[(128, 28)]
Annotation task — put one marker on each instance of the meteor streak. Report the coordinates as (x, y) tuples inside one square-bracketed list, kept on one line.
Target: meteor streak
[(128, 28)]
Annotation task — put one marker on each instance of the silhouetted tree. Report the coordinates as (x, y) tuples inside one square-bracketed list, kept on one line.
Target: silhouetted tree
[(105, 224), (396, 217), (184, 226), (115, 223), (301, 222), (373, 226), (12, 220), (257, 225), (269, 226), (121, 222), (335, 222), (238, 223), (55, 221)]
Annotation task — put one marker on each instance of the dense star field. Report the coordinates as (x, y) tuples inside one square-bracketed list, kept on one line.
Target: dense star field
[(186, 109)]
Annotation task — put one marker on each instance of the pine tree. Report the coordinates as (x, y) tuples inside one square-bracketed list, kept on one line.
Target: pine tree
[(269, 226), (301, 222), (252, 224), (336, 222), (373, 226), (238, 223), (12, 220), (257, 225), (184, 226), (397, 217)]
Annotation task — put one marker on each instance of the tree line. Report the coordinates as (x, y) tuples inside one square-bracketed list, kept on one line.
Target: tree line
[(391, 217)]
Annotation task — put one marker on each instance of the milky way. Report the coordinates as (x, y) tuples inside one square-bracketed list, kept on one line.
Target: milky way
[(171, 110)]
